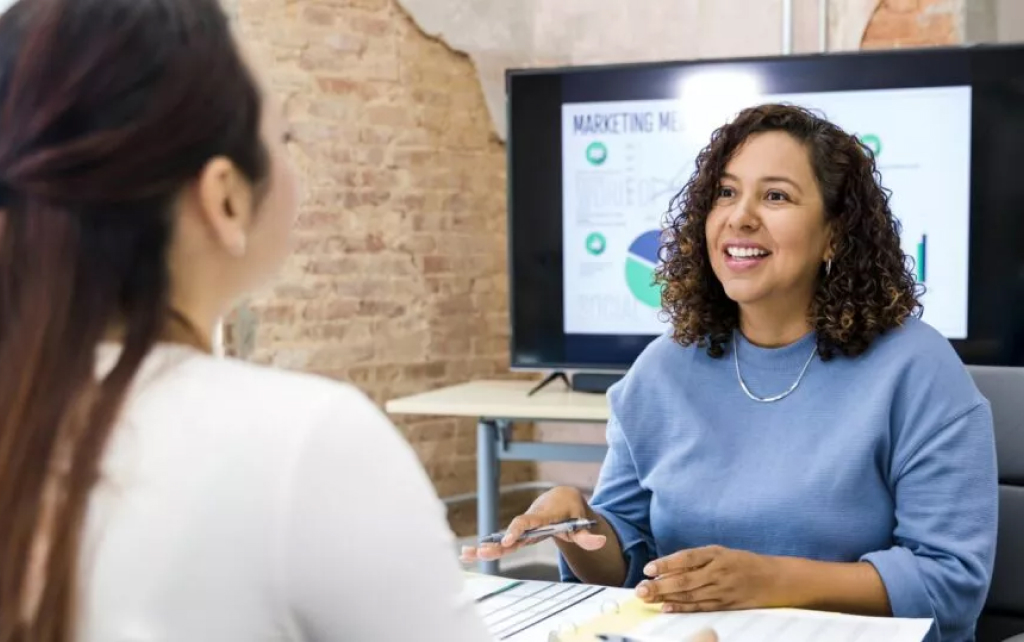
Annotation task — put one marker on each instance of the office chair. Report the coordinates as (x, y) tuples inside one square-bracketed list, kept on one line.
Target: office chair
[(1003, 616)]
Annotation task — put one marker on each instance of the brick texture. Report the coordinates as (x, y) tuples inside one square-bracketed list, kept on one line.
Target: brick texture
[(913, 23), (398, 282)]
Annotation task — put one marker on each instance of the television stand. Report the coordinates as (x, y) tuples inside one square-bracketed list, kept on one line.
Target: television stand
[(551, 378), (593, 382)]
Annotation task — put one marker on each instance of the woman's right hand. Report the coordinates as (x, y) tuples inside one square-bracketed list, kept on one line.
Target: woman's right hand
[(557, 505)]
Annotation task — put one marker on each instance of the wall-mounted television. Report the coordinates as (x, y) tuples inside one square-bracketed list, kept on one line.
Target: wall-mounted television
[(596, 155)]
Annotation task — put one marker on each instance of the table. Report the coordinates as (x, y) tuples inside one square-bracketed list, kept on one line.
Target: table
[(496, 405)]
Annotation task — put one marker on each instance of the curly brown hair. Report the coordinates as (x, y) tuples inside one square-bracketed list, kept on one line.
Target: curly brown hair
[(870, 288)]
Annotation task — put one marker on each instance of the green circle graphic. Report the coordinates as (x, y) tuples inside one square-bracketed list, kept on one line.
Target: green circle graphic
[(597, 153), (596, 244), (873, 142)]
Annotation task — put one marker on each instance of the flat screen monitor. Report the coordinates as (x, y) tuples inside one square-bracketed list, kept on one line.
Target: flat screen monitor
[(596, 155)]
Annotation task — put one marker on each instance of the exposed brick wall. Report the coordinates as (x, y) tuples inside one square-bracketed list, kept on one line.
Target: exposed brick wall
[(914, 23), (398, 283)]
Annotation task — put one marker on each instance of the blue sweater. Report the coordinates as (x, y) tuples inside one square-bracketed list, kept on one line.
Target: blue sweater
[(887, 458)]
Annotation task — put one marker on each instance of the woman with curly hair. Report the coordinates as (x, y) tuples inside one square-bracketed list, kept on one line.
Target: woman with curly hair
[(800, 438)]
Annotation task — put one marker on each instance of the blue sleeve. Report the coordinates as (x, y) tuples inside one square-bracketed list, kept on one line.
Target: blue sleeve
[(621, 500), (946, 496)]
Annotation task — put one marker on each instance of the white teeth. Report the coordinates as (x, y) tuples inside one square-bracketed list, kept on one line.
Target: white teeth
[(745, 252)]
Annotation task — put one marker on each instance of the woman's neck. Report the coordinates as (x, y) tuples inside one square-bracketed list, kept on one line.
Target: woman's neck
[(182, 329), (773, 330)]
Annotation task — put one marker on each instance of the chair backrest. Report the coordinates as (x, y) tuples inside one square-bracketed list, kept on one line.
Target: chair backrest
[(1004, 389)]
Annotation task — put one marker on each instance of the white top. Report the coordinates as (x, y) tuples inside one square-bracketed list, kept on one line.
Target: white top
[(505, 400), (241, 503)]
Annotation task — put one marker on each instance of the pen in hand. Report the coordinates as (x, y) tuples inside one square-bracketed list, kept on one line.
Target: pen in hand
[(543, 532)]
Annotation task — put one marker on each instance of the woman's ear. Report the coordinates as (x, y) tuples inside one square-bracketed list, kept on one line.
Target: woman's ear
[(225, 198)]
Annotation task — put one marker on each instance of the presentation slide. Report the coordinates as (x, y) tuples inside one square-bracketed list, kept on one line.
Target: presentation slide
[(624, 161)]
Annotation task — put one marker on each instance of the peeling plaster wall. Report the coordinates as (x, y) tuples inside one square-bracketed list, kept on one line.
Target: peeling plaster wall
[(501, 34), (1010, 21)]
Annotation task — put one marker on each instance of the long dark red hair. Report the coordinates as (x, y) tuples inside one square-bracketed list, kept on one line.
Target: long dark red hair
[(108, 109)]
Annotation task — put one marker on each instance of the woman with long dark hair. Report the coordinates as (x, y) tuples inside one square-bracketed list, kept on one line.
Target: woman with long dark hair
[(149, 491)]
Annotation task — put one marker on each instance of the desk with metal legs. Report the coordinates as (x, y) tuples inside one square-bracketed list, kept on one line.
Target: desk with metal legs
[(496, 405)]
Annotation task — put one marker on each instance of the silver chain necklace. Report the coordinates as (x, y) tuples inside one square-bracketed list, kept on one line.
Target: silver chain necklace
[(774, 398)]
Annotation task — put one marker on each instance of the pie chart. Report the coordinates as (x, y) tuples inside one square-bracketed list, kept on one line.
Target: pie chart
[(641, 259)]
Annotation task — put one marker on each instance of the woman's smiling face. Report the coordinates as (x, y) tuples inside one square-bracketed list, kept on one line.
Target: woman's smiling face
[(767, 236)]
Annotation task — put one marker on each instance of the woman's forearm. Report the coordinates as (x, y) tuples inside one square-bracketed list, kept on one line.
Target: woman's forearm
[(606, 566), (832, 586)]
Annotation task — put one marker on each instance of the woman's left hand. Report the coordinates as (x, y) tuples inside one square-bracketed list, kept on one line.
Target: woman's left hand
[(712, 578)]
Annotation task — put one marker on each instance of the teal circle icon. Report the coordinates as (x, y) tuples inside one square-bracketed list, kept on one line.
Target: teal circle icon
[(596, 244), (873, 142), (597, 153)]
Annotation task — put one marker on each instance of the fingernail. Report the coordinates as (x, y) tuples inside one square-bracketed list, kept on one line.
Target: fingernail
[(650, 570), (667, 608), (642, 590)]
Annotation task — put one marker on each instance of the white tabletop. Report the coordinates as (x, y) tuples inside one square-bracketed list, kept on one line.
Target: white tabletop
[(505, 400)]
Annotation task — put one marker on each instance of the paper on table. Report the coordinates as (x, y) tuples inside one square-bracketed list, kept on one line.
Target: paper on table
[(784, 625), (531, 611), (580, 616), (480, 586)]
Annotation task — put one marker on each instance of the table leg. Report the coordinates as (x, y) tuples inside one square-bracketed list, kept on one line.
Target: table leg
[(487, 478)]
